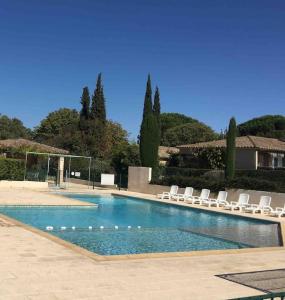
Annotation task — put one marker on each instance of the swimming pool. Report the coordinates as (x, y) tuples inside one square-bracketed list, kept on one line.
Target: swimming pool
[(140, 226)]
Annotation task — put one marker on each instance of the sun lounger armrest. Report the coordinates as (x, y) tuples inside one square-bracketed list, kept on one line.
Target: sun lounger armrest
[(225, 202), (211, 200), (233, 202), (279, 208), (178, 196)]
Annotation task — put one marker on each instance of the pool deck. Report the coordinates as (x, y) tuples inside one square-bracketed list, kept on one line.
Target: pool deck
[(33, 266), (31, 197), (201, 207)]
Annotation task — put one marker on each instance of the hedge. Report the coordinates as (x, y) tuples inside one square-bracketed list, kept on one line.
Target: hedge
[(249, 183), (11, 169), (195, 182), (276, 175), (270, 175), (176, 171), (214, 185)]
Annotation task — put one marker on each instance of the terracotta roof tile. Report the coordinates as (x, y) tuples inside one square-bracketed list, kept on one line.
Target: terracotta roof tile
[(165, 152), (23, 143), (254, 142)]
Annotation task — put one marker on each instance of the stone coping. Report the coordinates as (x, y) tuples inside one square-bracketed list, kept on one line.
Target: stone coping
[(50, 205)]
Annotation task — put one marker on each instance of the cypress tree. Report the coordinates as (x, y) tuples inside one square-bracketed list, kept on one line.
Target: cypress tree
[(231, 149), (98, 120), (84, 120), (156, 112), (147, 109), (98, 109), (148, 131), (85, 110)]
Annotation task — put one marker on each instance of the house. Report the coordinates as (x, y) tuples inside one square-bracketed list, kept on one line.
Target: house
[(252, 152), (18, 148), (164, 154), (11, 146)]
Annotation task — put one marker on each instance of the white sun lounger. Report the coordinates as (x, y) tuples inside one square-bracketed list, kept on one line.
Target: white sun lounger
[(240, 204), (198, 199), (262, 207), (168, 195), (278, 211), (183, 197), (220, 201)]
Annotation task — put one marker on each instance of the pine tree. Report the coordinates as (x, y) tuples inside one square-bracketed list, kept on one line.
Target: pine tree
[(231, 149), (98, 120), (148, 132)]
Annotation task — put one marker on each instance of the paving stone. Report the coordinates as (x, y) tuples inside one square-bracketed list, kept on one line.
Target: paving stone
[(34, 267)]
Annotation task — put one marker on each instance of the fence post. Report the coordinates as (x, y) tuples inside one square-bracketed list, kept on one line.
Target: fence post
[(120, 181)]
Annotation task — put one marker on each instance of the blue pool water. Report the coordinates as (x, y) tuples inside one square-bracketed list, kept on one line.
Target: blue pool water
[(162, 227)]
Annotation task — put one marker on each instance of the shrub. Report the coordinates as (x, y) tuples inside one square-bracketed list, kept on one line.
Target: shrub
[(215, 185), (195, 182), (11, 169), (173, 171), (265, 174), (207, 158), (249, 183), (215, 174)]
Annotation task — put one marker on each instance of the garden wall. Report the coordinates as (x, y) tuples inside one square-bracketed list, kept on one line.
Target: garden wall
[(278, 199), (139, 182)]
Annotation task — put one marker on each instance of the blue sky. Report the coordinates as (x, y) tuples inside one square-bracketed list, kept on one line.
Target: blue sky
[(211, 59)]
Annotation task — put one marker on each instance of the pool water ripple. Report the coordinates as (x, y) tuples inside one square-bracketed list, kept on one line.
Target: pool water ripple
[(163, 227)]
